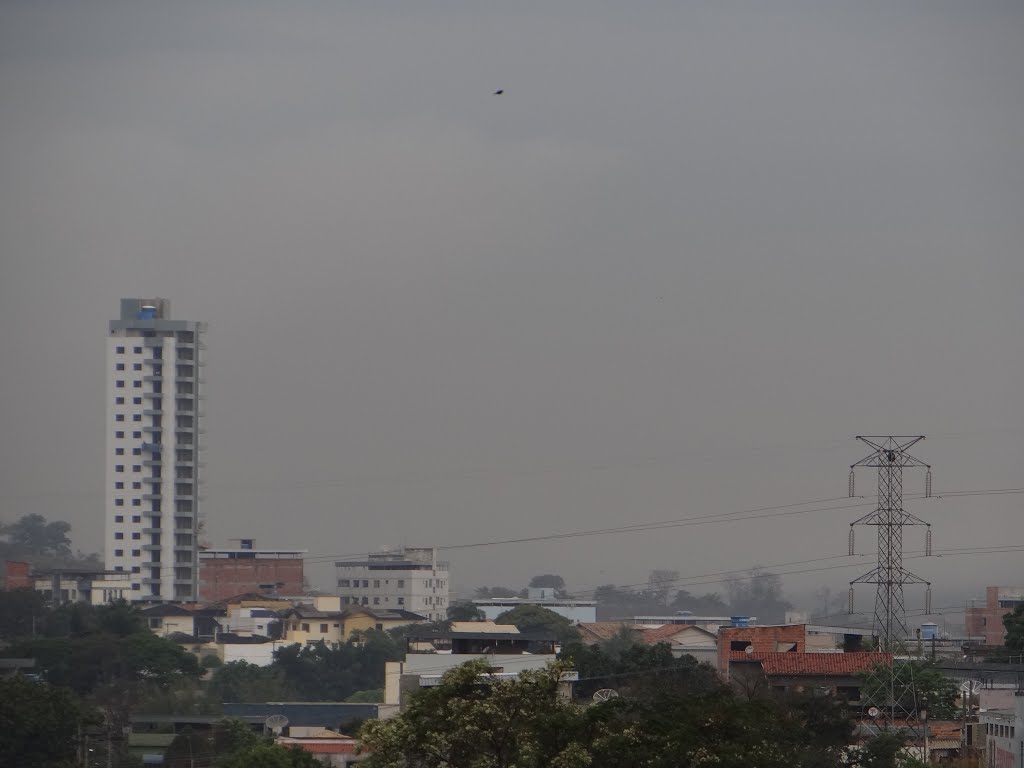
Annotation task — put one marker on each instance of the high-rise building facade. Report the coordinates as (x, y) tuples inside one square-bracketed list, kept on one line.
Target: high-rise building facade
[(154, 418)]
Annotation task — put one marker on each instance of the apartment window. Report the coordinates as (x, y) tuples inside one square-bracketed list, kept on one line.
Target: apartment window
[(305, 627), (119, 350), (376, 601), (137, 384), (137, 400), (119, 434), (118, 567), (118, 518), (119, 468), (119, 451), (366, 583), (137, 350), (323, 629), (136, 569), (136, 536), (119, 367), (343, 582), (118, 553), (136, 552), (137, 417), (136, 435), (119, 417), (401, 601), (118, 502), (136, 467), (401, 583), (119, 383), (136, 486), (136, 502), (135, 587), (118, 536), (136, 518), (376, 583), (118, 401), (365, 601), (136, 451), (137, 367), (119, 485)]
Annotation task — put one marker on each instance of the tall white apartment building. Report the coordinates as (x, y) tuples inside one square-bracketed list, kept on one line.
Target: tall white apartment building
[(409, 579), (154, 421)]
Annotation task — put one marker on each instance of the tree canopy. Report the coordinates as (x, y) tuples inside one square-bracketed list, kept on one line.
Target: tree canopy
[(38, 723), (534, 618)]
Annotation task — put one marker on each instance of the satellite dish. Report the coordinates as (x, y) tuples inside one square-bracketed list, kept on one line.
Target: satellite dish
[(275, 723), (968, 686), (604, 694), (873, 712), (749, 650)]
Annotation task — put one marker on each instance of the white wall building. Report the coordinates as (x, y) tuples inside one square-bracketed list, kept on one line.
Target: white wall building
[(153, 446), (576, 611), (410, 579)]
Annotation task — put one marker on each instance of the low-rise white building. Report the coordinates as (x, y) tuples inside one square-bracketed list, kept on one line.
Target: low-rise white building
[(576, 611), (93, 587), (1003, 731), (409, 579)]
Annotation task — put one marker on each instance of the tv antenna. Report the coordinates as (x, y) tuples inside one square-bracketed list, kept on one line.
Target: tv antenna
[(605, 694)]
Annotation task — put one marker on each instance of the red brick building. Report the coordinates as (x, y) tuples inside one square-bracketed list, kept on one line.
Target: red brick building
[(224, 573), (985, 623)]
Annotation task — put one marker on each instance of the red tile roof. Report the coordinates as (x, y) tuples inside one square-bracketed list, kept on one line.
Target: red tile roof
[(820, 664)]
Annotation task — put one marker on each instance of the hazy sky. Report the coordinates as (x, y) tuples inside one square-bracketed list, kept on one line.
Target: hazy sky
[(692, 251)]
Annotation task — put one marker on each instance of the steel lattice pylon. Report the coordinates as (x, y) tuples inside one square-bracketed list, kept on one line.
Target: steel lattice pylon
[(890, 688)]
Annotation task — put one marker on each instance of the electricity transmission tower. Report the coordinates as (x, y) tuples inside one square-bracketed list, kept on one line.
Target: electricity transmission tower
[(889, 689)]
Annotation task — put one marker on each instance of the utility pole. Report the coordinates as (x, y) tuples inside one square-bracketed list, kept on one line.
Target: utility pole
[(890, 687)]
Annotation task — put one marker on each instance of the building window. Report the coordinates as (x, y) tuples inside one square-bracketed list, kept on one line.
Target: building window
[(323, 629), (118, 535), (137, 350), (136, 435), (119, 367), (118, 502), (137, 400), (118, 518), (119, 434), (137, 417), (119, 468), (366, 583), (136, 536), (305, 627), (137, 367), (119, 451), (343, 582), (376, 601), (136, 467), (401, 583), (136, 502), (118, 553), (137, 384), (135, 587), (119, 350), (365, 601), (136, 553), (136, 518), (119, 417), (401, 601), (118, 401), (119, 383), (119, 485), (136, 486), (136, 451)]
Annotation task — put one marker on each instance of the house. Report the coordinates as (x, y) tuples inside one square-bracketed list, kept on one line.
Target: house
[(308, 625), (784, 638), (329, 747), (231, 571), (84, 585), (431, 653), (167, 619), (838, 673), (363, 619)]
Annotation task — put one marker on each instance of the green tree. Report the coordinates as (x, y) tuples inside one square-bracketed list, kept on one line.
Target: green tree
[(926, 688), (39, 723), (32, 535), (270, 756), (240, 681), (549, 581), (533, 618), (464, 611), (759, 593), (1014, 623), (21, 614), (886, 750), (710, 604), (470, 721)]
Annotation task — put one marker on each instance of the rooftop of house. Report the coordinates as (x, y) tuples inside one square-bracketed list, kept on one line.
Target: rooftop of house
[(791, 663)]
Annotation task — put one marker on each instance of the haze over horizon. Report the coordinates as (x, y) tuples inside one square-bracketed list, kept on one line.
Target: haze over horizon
[(688, 254)]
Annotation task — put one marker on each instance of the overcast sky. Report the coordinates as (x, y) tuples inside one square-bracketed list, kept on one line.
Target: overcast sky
[(692, 251)]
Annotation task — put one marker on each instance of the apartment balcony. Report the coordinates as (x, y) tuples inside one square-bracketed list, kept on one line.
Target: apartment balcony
[(152, 462), (153, 412), (152, 531), (150, 341), (150, 429), (150, 581), (153, 361), (153, 564), (153, 547), (152, 497), (150, 378)]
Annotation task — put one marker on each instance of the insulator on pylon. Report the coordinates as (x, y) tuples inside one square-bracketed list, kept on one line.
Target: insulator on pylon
[(851, 540), (850, 610), (928, 600), (928, 484), (928, 542), (851, 483)]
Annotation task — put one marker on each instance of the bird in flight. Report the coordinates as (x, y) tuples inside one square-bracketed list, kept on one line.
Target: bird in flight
[(499, 92)]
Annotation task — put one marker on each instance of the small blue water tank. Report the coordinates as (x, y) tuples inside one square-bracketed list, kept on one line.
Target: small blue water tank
[(147, 313), (929, 631), (740, 621)]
